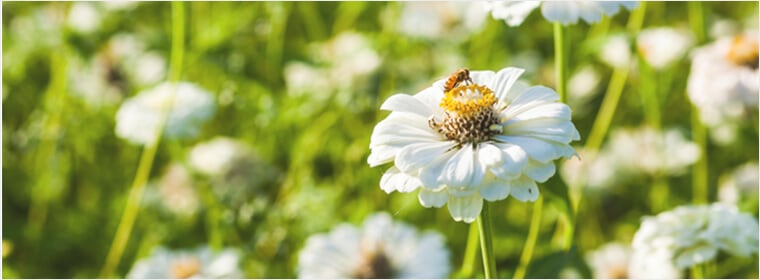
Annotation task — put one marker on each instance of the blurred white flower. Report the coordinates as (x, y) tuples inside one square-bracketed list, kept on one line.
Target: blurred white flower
[(689, 235), (186, 105), (147, 68), (724, 79), (655, 264), (217, 156), (119, 5), (616, 51), (84, 17), (440, 20), (598, 171), (202, 262), (662, 46), (741, 182), (485, 140), (177, 191), (610, 261), (650, 151), (583, 83), (564, 12), (97, 82), (381, 249)]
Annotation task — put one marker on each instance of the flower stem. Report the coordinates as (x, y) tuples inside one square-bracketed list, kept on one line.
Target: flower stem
[(148, 155), (559, 61), (530, 243), (700, 170), (486, 243), (468, 263)]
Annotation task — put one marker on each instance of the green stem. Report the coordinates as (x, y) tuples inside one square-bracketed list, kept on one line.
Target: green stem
[(697, 20), (468, 263), (148, 155), (697, 271), (649, 94), (700, 171), (530, 243), (213, 216), (486, 243), (560, 63)]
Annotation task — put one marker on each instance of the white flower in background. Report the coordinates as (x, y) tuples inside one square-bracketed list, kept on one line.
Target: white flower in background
[(565, 12), (689, 235), (440, 20), (202, 262), (662, 46), (616, 51), (96, 82), (723, 82), (484, 140), (741, 182), (217, 156), (583, 83), (610, 261), (84, 17), (187, 105), (177, 192), (651, 151), (380, 249), (654, 264), (119, 5), (148, 68), (598, 171)]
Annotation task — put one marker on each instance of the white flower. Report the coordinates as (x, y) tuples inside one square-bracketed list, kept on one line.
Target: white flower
[(610, 261), (723, 82), (583, 83), (187, 105), (201, 262), (656, 264), (565, 12), (440, 20), (662, 46), (217, 156), (690, 235), (177, 191), (598, 171), (484, 140), (616, 51), (84, 17), (650, 151), (743, 181), (382, 248)]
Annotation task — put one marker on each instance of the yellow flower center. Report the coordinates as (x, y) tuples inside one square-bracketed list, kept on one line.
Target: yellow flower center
[(471, 114), (185, 267), (744, 51)]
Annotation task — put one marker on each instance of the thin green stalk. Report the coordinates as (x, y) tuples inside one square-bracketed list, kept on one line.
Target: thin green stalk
[(213, 217), (468, 263), (697, 20), (530, 243), (649, 94), (486, 242), (560, 63), (148, 155), (697, 271), (700, 171)]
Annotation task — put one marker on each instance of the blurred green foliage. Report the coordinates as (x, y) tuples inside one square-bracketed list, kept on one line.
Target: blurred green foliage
[(66, 174)]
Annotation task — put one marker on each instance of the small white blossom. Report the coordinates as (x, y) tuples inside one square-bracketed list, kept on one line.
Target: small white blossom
[(187, 105), (84, 17), (598, 171), (741, 182), (723, 83), (565, 12), (662, 46), (616, 51), (440, 20), (177, 192), (689, 235), (381, 248), (202, 262), (650, 151), (610, 261), (217, 156), (488, 139)]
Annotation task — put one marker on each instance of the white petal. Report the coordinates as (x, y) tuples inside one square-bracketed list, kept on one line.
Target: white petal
[(557, 130), (430, 198), (415, 156), (590, 12), (513, 163), (463, 169), (407, 104), (549, 110), (538, 149), (494, 189), (609, 7), (512, 12), (466, 208), (540, 172), (489, 154), (394, 179), (482, 77), (401, 129), (562, 12), (529, 98), (503, 81), (430, 174), (381, 155), (524, 189)]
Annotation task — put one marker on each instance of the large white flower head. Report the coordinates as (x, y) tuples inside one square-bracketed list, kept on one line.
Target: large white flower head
[(381, 249), (187, 105), (662, 46), (724, 78), (486, 138), (564, 12), (689, 235), (202, 262)]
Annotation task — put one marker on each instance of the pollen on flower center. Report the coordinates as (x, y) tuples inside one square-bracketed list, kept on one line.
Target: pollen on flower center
[(471, 114), (744, 51), (185, 268)]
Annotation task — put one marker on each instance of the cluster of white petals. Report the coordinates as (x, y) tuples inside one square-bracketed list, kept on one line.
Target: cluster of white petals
[(689, 235), (202, 262), (723, 83), (564, 12), (649, 151), (186, 106), (217, 156), (380, 249), (662, 46), (530, 130)]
